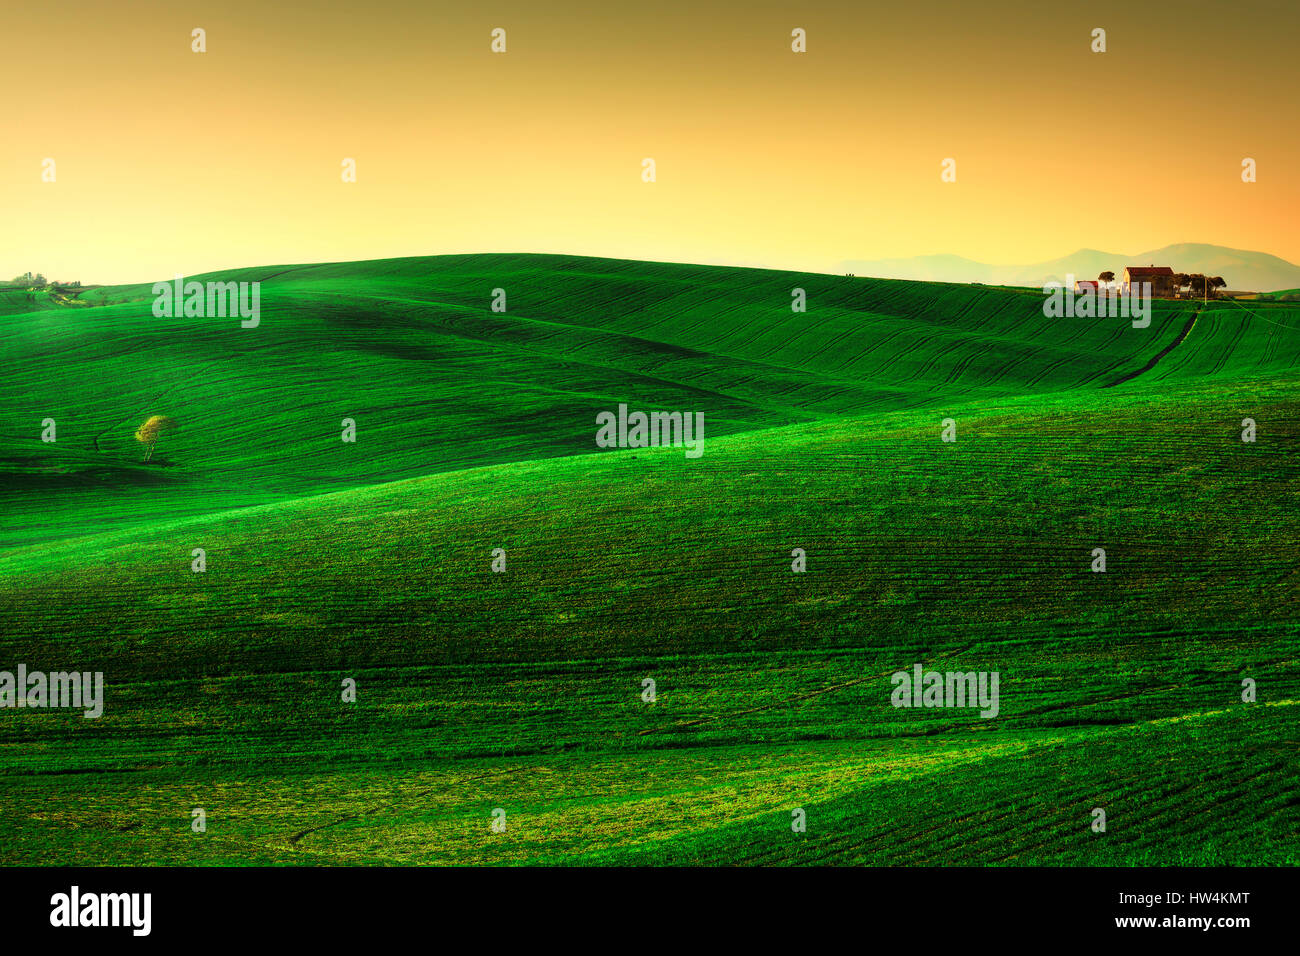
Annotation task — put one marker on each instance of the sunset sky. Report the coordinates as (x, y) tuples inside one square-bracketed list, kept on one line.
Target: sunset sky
[(171, 161)]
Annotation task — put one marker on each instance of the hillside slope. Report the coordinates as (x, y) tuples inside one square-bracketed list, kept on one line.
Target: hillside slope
[(522, 690), (435, 380)]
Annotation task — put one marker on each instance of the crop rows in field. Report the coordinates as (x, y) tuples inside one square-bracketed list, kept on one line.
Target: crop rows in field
[(523, 689)]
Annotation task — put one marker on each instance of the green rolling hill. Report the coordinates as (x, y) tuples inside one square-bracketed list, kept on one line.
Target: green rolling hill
[(523, 690)]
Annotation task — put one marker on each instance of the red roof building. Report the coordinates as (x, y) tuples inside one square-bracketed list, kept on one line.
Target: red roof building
[(1160, 278)]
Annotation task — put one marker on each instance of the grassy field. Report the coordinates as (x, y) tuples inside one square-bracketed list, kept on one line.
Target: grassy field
[(523, 691)]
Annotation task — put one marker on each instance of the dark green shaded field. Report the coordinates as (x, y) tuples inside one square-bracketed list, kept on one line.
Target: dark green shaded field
[(522, 690)]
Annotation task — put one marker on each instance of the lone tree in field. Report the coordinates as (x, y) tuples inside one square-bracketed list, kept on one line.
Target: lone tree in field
[(1106, 278), (152, 430)]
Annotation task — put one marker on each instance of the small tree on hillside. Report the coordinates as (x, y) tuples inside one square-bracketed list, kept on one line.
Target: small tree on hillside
[(149, 433), (1106, 278)]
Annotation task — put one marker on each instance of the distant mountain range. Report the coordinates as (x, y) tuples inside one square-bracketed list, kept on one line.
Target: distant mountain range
[(1242, 270)]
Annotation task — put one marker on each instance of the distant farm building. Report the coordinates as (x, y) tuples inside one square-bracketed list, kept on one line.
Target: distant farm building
[(1086, 285), (1160, 277)]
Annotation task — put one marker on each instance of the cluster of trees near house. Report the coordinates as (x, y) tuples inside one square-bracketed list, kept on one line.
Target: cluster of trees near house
[(29, 280), (1197, 285)]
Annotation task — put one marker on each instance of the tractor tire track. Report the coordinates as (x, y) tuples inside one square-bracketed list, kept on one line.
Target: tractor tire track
[(1178, 340), (390, 805)]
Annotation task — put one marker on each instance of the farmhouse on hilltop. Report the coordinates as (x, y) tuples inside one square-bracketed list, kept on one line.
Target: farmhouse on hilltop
[(1160, 277)]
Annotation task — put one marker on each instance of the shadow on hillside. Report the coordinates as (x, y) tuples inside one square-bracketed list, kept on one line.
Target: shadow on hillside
[(28, 473)]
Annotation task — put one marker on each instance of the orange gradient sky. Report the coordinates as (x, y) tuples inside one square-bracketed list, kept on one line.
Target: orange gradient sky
[(170, 161)]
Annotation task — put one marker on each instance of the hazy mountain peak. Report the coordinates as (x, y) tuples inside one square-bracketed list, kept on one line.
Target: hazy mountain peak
[(1242, 269)]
